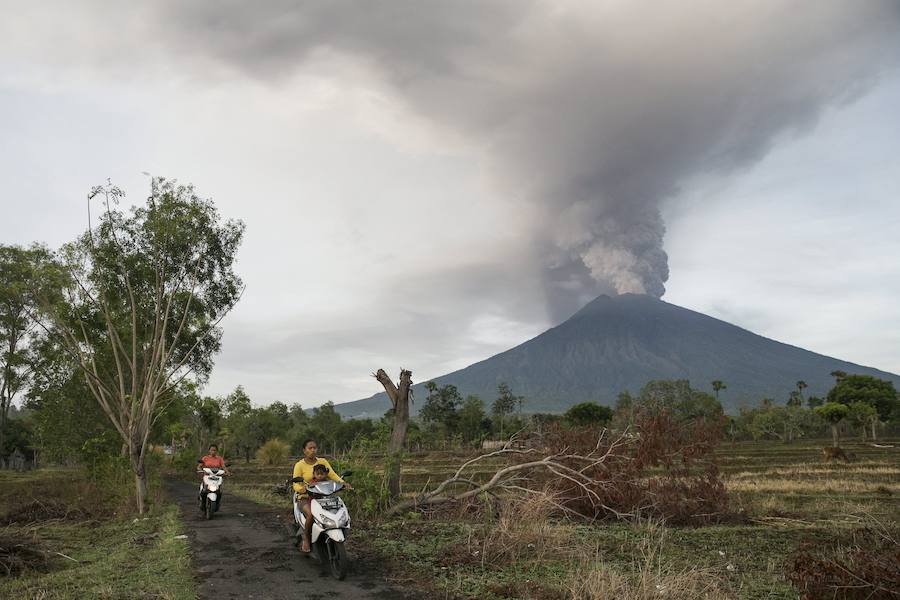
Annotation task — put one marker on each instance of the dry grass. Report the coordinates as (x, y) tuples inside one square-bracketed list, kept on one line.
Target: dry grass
[(820, 486), (518, 530), (818, 472), (652, 577)]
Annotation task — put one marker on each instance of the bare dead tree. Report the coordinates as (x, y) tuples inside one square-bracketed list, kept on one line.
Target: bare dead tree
[(399, 396)]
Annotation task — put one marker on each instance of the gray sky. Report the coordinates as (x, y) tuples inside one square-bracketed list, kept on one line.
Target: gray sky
[(428, 183)]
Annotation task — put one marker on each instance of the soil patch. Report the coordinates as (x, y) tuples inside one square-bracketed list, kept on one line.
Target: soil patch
[(19, 555), (36, 511)]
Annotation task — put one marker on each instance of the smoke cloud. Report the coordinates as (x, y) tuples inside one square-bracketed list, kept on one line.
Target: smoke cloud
[(589, 115)]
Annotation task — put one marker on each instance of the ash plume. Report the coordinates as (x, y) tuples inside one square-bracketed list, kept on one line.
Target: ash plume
[(591, 114)]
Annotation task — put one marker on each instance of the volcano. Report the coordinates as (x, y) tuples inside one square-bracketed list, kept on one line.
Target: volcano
[(622, 342)]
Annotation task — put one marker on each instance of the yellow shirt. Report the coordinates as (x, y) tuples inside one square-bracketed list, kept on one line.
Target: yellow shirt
[(305, 470)]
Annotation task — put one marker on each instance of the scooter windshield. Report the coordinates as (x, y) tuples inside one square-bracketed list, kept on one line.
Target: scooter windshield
[(325, 487)]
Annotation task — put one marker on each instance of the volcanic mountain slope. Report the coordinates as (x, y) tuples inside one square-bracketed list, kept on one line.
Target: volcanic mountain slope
[(621, 342)]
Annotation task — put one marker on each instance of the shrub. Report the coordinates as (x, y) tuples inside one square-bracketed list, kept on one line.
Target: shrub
[(273, 452), (369, 496), (185, 459)]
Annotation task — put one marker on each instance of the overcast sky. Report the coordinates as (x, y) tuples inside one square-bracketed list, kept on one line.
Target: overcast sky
[(426, 184)]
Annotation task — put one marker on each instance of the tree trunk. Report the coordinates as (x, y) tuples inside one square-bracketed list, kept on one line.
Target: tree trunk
[(140, 479), (834, 434), (400, 400), (874, 423)]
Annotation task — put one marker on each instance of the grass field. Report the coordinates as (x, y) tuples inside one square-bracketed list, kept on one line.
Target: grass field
[(65, 540), (785, 492)]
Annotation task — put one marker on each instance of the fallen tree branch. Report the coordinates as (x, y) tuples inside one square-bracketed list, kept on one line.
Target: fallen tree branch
[(507, 476)]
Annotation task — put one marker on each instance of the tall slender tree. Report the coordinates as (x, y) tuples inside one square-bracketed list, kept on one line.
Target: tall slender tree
[(18, 329), (137, 301), (717, 386), (505, 404)]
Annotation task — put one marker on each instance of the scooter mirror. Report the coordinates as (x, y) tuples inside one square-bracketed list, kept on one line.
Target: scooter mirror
[(297, 480), (346, 474)]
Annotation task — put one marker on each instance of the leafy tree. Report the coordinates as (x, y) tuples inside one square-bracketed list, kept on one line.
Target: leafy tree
[(299, 418), (717, 386), (205, 419), (144, 293), (623, 414), (441, 406), (354, 431), (237, 404), (326, 421), (878, 393), (588, 413), (814, 401), (784, 423), (795, 399), (505, 404), (833, 413), (838, 375), (471, 418), (64, 413), (680, 400), (280, 411), (861, 415), (236, 428), (18, 328)]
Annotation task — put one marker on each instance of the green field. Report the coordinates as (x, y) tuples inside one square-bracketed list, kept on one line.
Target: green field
[(784, 492)]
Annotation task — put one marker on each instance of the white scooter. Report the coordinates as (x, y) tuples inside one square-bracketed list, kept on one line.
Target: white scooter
[(210, 495), (330, 517)]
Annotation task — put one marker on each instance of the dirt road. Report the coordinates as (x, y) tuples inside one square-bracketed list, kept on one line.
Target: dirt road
[(245, 552)]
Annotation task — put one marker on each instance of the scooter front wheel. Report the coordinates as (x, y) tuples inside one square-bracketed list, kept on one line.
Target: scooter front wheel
[(338, 559), (210, 509)]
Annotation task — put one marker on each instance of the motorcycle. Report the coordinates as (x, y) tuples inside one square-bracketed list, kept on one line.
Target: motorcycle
[(210, 495), (331, 520)]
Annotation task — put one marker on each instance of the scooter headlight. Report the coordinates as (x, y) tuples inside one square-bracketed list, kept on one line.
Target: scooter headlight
[(212, 487), (326, 522)]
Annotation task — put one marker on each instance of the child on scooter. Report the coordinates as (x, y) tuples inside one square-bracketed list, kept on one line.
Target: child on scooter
[(320, 473)]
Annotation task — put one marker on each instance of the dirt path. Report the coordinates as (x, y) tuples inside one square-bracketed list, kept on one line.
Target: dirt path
[(245, 552)]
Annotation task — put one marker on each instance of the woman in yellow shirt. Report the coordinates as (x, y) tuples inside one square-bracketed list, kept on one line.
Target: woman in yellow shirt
[(304, 469)]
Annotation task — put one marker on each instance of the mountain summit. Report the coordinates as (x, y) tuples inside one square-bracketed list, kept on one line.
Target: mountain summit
[(620, 343)]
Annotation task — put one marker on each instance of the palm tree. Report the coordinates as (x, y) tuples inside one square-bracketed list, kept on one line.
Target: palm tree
[(800, 385), (718, 385)]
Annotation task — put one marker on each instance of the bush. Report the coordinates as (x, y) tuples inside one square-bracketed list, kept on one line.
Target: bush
[(273, 452), (369, 496), (185, 459)]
